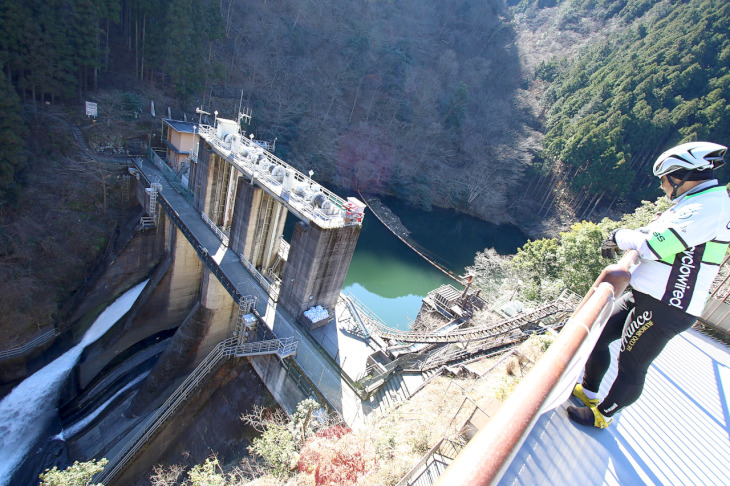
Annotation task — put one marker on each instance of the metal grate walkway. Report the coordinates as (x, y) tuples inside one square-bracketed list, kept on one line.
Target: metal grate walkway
[(474, 333), (677, 433)]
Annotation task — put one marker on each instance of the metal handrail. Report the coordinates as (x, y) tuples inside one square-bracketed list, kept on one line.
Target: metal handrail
[(172, 177), (444, 448), (30, 345), (481, 332), (153, 423), (272, 290), (487, 456), (284, 247), (225, 349), (246, 165), (280, 346), (220, 234)]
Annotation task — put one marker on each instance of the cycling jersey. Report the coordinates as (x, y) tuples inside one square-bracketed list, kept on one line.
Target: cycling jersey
[(682, 250)]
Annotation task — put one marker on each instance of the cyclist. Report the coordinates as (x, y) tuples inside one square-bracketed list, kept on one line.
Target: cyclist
[(681, 252)]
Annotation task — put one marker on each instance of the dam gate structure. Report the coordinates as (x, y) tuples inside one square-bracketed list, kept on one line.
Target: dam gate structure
[(231, 205), (247, 193), (220, 216)]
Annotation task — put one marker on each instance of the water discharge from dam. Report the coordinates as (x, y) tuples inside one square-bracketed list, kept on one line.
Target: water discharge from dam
[(28, 409)]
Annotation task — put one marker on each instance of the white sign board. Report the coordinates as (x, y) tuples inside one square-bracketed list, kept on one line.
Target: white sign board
[(91, 108)]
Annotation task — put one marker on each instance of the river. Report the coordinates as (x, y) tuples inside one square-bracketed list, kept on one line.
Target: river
[(28, 410), (391, 279)]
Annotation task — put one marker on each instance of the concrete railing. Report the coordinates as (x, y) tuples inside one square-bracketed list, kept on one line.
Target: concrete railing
[(487, 456)]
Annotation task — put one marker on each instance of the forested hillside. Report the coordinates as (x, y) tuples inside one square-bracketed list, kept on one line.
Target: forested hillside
[(439, 102), (664, 80), (410, 98)]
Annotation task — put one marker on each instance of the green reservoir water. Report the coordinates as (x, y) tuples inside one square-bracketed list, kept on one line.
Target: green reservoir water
[(391, 279)]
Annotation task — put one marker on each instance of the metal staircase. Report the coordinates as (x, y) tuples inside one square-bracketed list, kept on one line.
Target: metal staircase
[(393, 392), (281, 347), (126, 183), (150, 221), (231, 347)]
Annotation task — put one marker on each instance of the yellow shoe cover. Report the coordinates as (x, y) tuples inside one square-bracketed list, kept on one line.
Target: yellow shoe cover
[(580, 395), (600, 420)]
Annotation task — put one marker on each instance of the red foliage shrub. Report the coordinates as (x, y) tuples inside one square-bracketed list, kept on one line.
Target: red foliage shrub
[(335, 432), (336, 456)]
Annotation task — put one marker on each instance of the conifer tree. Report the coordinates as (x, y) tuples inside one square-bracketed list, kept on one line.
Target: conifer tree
[(13, 131), (83, 36), (59, 76), (183, 47), (13, 14)]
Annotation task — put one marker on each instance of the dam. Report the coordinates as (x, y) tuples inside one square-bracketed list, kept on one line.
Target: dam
[(230, 263), (224, 284)]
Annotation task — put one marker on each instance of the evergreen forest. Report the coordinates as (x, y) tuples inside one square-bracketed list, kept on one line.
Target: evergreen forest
[(414, 99), (544, 114), (663, 80)]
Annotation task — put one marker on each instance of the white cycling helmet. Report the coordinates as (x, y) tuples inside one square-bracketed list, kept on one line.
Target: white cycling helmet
[(697, 156)]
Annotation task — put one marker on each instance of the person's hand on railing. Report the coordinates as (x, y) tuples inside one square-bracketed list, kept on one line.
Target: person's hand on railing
[(609, 248)]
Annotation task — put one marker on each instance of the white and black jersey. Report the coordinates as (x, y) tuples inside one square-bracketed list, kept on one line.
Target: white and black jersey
[(682, 250)]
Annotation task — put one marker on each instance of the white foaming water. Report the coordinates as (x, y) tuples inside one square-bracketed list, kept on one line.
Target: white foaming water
[(28, 409), (81, 424)]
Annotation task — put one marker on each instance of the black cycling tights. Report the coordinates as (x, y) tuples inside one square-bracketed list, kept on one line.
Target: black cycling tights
[(644, 325)]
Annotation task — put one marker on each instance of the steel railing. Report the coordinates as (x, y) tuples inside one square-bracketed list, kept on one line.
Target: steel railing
[(225, 349), (30, 345), (246, 164), (153, 423), (433, 463), (172, 177), (487, 456), (271, 289), (284, 247), (283, 347), (471, 333), (220, 234)]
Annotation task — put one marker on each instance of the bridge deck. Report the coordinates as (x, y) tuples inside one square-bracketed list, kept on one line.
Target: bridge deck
[(678, 433)]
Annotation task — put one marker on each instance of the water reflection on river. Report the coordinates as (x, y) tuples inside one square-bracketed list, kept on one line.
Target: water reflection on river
[(391, 279)]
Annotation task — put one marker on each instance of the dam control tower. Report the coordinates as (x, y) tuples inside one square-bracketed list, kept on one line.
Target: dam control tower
[(246, 193)]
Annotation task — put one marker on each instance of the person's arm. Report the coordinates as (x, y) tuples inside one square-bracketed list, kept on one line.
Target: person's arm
[(670, 235), (627, 239)]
